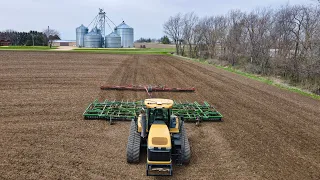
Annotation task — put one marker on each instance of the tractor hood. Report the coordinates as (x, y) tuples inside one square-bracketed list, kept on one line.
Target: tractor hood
[(159, 136)]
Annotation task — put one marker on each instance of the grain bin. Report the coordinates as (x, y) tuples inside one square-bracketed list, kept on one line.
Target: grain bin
[(126, 34), (93, 39), (113, 40), (81, 31)]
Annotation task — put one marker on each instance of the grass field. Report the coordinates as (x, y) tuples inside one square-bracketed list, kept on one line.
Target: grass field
[(127, 50), (29, 48), (163, 51)]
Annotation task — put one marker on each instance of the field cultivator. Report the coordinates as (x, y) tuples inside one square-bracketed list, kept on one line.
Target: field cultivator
[(126, 110)]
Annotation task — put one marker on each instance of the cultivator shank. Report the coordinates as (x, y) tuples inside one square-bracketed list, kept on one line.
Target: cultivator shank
[(125, 110)]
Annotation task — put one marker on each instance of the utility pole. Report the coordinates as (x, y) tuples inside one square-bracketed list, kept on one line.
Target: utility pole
[(48, 32), (32, 35), (49, 42)]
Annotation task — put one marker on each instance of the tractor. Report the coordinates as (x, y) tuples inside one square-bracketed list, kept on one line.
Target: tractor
[(156, 124), (163, 134)]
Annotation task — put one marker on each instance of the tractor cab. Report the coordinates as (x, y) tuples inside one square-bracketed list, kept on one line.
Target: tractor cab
[(155, 115), (159, 110)]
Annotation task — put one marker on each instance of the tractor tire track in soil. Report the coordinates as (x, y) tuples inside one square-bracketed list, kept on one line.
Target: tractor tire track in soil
[(267, 133)]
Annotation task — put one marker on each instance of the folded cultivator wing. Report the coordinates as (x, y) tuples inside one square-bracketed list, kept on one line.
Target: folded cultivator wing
[(125, 110)]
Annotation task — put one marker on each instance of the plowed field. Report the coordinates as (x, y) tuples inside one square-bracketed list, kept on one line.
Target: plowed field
[(267, 133)]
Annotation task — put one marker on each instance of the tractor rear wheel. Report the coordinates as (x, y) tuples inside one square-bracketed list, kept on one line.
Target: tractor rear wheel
[(133, 146), (186, 152)]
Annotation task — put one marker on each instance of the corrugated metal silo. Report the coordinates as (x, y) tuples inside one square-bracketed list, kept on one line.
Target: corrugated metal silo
[(113, 40), (126, 34), (81, 31), (93, 39)]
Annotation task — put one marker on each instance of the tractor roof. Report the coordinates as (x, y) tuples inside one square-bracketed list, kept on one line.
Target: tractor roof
[(158, 103)]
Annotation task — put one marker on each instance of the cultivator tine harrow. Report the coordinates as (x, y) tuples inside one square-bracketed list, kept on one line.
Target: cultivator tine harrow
[(112, 110), (195, 111), (126, 110), (148, 88)]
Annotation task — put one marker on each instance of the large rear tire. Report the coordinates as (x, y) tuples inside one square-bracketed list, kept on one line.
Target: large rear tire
[(133, 146), (186, 152)]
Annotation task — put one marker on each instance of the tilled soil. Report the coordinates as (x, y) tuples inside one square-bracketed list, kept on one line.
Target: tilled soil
[(267, 133)]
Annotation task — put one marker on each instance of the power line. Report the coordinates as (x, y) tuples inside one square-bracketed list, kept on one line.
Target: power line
[(110, 20), (93, 20), (109, 26)]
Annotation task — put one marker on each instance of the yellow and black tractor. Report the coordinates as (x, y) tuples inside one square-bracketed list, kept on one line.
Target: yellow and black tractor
[(156, 124), (164, 135)]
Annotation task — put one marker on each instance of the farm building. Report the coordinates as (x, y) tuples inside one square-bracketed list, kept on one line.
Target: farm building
[(4, 41), (64, 43)]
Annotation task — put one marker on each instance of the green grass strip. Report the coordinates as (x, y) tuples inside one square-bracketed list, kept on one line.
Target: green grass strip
[(36, 48), (162, 51), (151, 51)]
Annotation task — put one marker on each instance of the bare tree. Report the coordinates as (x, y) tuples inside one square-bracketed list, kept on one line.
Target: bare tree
[(209, 35), (235, 36), (220, 26), (284, 42), (197, 40), (51, 35), (258, 28), (174, 29), (190, 21)]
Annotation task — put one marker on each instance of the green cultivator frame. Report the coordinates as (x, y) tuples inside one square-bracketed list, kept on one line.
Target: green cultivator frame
[(126, 110), (192, 111), (115, 110)]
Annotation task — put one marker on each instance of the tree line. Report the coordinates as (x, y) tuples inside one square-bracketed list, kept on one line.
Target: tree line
[(283, 42), (163, 40), (145, 40), (31, 38)]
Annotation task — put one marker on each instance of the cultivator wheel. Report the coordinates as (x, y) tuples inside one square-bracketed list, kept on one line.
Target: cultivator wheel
[(133, 146), (198, 121), (110, 121)]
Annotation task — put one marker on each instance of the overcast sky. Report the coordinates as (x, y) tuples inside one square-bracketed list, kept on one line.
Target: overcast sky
[(145, 16)]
